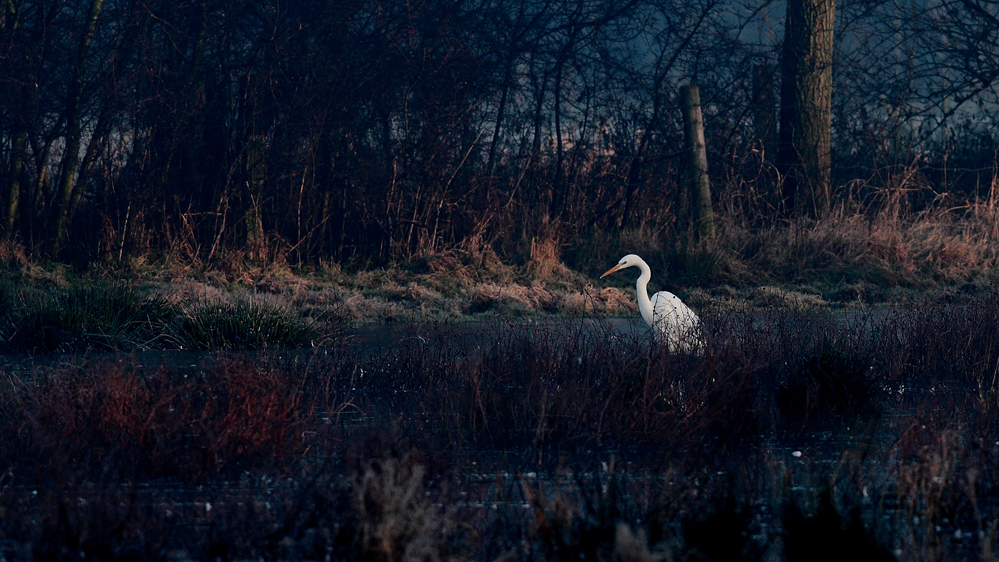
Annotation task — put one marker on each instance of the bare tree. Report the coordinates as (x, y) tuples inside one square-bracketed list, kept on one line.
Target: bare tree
[(73, 116)]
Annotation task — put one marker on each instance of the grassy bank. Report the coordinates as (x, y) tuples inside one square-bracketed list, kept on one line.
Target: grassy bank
[(862, 255)]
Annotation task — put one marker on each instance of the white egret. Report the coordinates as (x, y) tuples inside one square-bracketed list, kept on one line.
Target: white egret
[(665, 313)]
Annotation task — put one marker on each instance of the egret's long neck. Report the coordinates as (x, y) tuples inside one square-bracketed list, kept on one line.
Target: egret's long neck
[(644, 304)]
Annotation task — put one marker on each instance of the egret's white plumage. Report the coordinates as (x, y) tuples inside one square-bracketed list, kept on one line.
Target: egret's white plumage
[(670, 319)]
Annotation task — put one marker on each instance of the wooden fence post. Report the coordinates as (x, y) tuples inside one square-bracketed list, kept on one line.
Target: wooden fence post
[(697, 170)]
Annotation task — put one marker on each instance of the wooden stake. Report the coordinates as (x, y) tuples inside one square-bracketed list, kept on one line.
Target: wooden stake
[(697, 170)]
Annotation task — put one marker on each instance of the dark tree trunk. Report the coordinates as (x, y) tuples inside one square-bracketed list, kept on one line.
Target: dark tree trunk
[(74, 130), (764, 107), (806, 101), (14, 186)]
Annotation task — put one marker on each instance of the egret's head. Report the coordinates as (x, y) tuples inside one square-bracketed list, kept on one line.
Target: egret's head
[(627, 261)]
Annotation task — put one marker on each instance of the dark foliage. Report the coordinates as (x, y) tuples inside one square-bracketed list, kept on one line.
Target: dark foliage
[(830, 386), (100, 316), (722, 531), (828, 536)]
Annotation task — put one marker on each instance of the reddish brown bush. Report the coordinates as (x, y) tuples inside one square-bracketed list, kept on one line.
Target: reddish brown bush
[(161, 422)]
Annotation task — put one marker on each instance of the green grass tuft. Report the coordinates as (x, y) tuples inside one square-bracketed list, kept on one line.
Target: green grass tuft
[(103, 316), (243, 325)]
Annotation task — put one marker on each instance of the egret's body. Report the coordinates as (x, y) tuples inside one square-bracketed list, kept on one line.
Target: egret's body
[(665, 313)]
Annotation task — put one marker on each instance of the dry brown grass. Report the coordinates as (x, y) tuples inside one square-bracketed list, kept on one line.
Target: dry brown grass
[(930, 248), (898, 234), (545, 262), (397, 521), (13, 254)]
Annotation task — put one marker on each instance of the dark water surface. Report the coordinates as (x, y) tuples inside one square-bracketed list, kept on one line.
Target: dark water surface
[(376, 337)]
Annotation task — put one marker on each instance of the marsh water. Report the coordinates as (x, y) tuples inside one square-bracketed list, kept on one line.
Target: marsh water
[(373, 338), (491, 481), (379, 337)]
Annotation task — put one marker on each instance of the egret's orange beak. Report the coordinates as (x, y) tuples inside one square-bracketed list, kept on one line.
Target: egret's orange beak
[(611, 270)]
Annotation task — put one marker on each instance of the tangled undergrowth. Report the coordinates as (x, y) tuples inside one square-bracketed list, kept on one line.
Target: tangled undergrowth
[(874, 432)]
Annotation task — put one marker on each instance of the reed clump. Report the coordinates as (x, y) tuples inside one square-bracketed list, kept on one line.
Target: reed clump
[(242, 325), (101, 316), (114, 316)]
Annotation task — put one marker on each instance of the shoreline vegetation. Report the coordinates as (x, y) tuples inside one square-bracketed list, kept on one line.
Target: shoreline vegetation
[(871, 435), (850, 260)]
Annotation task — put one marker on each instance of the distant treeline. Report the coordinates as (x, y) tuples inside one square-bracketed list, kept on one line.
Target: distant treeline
[(365, 130)]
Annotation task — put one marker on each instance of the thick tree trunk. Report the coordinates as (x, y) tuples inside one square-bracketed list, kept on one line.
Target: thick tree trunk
[(806, 101)]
